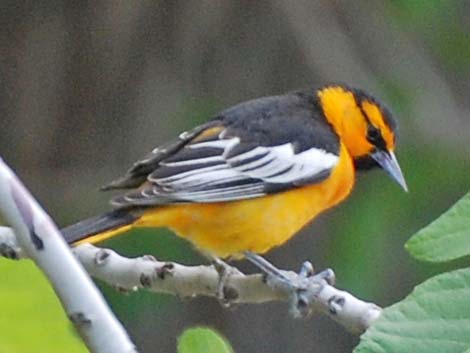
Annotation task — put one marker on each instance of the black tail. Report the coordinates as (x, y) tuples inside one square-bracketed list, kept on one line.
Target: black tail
[(96, 225)]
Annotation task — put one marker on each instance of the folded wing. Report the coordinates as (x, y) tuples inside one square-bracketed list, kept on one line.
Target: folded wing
[(217, 165)]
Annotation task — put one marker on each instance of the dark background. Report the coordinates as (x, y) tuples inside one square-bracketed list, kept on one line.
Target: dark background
[(88, 87)]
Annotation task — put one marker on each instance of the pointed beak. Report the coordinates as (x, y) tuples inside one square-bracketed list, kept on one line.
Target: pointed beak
[(389, 163)]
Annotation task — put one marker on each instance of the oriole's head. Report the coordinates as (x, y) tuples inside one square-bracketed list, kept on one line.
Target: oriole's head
[(366, 128)]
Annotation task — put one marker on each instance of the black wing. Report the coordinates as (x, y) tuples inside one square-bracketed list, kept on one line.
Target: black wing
[(255, 148)]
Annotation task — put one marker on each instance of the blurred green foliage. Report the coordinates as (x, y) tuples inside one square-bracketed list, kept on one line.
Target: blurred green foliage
[(202, 340), (445, 239), (31, 318), (433, 20), (435, 317)]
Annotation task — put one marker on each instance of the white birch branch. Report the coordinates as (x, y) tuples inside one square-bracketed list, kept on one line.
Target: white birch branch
[(38, 237), (189, 281)]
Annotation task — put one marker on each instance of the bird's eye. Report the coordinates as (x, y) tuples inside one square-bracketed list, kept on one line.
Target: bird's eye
[(374, 136)]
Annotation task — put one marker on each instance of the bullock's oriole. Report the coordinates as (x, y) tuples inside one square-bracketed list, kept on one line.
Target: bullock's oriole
[(255, 174)]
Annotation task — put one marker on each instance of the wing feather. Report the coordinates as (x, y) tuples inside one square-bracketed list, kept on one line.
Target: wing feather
[(259, 147), (193, 175)]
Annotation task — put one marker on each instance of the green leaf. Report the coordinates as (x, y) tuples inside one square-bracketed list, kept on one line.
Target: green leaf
[(435, 317), (445, 239), (31, 317), (202, 340)]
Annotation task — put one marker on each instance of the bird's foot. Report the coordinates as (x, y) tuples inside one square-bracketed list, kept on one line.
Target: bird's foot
[(224, 293), (301, 288), (10, 251)]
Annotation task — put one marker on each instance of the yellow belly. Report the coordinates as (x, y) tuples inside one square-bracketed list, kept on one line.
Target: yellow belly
[(229, 228)]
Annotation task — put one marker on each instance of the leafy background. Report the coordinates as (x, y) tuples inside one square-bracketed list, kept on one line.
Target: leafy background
[(435, 317), (88, 87)]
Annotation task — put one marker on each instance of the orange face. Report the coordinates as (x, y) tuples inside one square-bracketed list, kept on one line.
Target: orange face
[(364, 127), (376, 118), (355, 117)]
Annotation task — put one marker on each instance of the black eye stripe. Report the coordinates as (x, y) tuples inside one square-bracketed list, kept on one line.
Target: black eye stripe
[(374, 136), (373, 132)]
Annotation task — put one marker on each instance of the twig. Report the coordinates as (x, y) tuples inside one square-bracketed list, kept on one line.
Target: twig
[(38, 238), (189, 281)]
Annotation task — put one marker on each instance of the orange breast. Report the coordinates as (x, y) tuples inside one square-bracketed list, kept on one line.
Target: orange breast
[(229, 228)]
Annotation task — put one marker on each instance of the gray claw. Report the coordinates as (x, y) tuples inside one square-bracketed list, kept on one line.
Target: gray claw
[(225, 294), (301, 288), (306, 270), (328, 275), (9, 252)]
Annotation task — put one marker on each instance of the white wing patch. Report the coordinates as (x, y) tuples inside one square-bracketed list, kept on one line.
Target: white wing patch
[(279, 164), (211, 172), (245, 175)]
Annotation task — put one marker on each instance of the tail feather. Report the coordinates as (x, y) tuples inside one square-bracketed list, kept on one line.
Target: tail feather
[(114, 220)]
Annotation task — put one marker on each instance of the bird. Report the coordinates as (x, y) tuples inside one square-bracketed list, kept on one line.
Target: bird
[(255, 174)]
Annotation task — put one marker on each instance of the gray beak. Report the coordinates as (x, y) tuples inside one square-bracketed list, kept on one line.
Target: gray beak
[(389, 163)]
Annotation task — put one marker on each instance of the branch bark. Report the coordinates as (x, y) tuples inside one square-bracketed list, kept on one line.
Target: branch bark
[(36, 236), (188, 281)]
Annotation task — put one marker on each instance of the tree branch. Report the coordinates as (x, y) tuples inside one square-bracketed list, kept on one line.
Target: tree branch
[(189, 281), (38, 238)]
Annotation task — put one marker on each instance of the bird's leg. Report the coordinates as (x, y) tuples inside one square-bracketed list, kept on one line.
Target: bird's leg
[(301, 288), (223, 292)]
